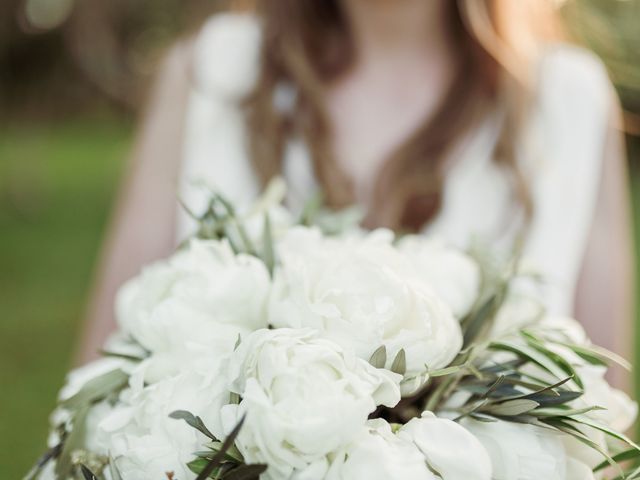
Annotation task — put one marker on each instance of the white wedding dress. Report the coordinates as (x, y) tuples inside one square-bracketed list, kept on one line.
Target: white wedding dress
[(562, 154)]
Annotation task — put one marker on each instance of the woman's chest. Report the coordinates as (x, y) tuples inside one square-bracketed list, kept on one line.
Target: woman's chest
[(374, 113), (477, 195)]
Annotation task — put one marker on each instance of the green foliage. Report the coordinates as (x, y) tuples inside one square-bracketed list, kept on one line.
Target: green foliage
[(222, 461), (193, 421), (88, 474), (379, 357), (399, 364), (56, 188)]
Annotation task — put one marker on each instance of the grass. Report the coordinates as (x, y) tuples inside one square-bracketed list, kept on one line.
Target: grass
[(56, 187)]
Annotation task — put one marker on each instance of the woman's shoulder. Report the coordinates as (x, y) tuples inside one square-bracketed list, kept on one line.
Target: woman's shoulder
[(226, 53), (574, 79)]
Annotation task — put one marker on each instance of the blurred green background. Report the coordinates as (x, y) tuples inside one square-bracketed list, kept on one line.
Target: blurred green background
[(72, 77)]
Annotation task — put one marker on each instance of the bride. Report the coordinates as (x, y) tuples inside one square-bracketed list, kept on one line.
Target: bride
[(465, 119)]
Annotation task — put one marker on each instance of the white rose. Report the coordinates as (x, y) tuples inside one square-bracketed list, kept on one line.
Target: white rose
[(362, 293), (145, 442), (451, 273), (378, 454), (304, 397), (520, 451), (193, 305), (442, 441)]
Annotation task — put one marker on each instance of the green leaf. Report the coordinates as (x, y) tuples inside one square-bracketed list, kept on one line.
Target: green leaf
[(598, 355), (199, 464), (232, 453), (445, 371), (511, 407), (87, 474), (623, 456), (494, 386), (485, 391), (630, 475), (433, 470), (218, 457), (193, 421), (564, 412), (96, 389), (242, 233), (472, 409), (379, 357), (482, 417), (114, 470), (549, 395), (550, 390), (503, 368), (311, 208), (519, 382), (399, 364), (531, 354), (564, 396), (481, 320), (231, 456), (124, 356), (571, 430), (246, 472), (50, 454), (553, 356), (603, 428), (74, 440), (268, 254)]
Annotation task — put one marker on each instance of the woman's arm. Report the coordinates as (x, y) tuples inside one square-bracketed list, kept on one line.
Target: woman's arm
[(604, 297), (143, 227)]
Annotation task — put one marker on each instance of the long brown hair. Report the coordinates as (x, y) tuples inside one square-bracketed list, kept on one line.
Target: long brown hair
[(307, 43)]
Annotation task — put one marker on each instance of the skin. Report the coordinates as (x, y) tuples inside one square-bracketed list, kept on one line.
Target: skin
[(370, 116), (391, 41)]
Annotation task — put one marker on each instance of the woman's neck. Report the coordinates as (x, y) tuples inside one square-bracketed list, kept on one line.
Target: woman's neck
[(383, 28)]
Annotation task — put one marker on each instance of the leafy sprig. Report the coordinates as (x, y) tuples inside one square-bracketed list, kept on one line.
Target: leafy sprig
[(222, 460)]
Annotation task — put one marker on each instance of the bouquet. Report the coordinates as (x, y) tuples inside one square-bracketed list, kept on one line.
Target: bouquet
[(273, 348)]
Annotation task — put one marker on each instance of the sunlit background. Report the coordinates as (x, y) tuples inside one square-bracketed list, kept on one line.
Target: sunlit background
[(72, 79)]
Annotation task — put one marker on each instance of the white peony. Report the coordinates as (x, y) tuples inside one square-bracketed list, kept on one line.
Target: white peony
[(193, 306), (145, 442), (377, 454), (619, 410), (442, 442), (450, 272), (304, 398), (362, 293), (522, 451), (517, 312)]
